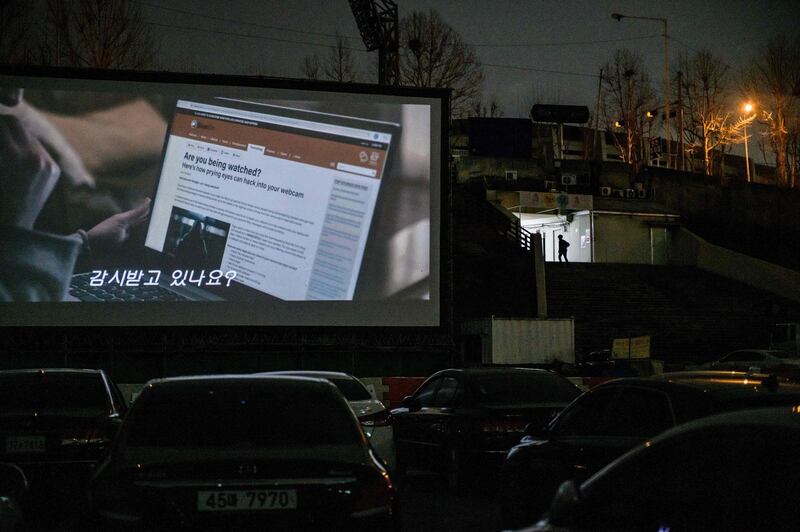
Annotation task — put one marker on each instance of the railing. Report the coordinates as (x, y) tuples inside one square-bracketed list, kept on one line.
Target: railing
[(507, 228)]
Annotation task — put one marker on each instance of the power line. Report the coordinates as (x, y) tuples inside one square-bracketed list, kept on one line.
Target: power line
[(247, 23), (543, 70), (249, 36), (563, 43)]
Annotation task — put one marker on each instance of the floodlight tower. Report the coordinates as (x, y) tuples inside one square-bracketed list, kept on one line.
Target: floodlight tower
[(377, 22)]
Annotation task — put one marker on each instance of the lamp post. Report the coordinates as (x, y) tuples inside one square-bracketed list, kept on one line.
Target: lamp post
[(747, 108), (618, 17)]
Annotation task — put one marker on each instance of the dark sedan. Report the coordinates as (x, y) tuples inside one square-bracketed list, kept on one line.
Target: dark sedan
[(733, 471), (614, 417), (239, 453), (55, 425), (461, 420)]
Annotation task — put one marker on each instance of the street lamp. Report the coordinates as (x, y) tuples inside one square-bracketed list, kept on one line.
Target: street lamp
[(747, 108), (618, 17)]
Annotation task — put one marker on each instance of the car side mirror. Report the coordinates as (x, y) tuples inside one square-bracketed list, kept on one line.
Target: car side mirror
[(411, 402), (564, 508)]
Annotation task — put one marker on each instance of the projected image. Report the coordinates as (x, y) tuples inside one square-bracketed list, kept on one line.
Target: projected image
[(305, 201)]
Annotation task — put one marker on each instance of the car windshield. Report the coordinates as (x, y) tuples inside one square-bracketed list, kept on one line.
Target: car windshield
[(352, 389), (522, 388), (241, 416), (53, 392)]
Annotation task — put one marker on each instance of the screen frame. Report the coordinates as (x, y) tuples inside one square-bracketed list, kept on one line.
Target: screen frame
[(29, 314)]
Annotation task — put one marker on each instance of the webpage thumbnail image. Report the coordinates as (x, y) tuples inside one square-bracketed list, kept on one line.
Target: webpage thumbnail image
[(194, 241)]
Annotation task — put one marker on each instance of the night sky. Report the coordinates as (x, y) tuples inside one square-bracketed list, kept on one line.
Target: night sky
[(246, 37)]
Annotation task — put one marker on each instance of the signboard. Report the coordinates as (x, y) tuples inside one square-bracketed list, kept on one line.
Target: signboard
[(638, 347), (555, 200)]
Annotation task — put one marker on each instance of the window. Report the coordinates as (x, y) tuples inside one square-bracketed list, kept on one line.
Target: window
[(638, 412), (447, 393), (522, 388), (587, 416), (426, 394), (53, 391)]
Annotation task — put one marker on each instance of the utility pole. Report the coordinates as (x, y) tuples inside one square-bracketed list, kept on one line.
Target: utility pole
[(598, 145), (681, 151)]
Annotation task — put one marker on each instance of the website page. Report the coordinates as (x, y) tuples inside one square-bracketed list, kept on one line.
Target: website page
[(280, 204)]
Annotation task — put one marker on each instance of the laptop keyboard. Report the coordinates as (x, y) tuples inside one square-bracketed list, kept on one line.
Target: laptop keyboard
[(81, 289)]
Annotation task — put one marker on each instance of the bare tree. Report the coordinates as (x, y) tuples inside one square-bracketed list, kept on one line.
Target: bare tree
[(709, 124), (338, 65), (773, 79), (490, 109), (433, 54), (98, 34), (627, 95), (310, 67)]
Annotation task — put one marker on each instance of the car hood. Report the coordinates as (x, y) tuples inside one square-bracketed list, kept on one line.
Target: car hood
[(367, 407)]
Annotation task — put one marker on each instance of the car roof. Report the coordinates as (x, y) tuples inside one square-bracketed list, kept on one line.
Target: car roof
[(784, 418), (204, 380), (311, 373), (48, 370), (713, 382), (478, 371)]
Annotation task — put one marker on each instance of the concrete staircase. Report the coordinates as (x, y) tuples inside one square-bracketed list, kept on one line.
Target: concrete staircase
[(691, 315)]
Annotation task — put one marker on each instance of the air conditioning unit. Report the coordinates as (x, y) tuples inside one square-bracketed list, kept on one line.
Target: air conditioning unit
[(638, 186), (630, 193), (605, 191), (619, 192), (511, 174), (549, 185), (641, 194), (569, 179)]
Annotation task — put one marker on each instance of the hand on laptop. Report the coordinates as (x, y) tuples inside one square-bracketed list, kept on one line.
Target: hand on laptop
[(115, 230), (27, 172)]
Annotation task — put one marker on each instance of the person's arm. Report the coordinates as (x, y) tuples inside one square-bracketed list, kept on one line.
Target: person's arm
[(36, 266)]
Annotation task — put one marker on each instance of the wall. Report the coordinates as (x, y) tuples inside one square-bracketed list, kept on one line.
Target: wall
[(690, 249), (757, 220), (621, 239)]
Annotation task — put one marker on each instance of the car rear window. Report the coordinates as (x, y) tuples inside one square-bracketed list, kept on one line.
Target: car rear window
[(352, 389), (241, 416), (522, 388), (53, 392)]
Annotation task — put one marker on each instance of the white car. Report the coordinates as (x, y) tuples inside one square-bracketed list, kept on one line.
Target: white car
[(376, 420), (756, 360)]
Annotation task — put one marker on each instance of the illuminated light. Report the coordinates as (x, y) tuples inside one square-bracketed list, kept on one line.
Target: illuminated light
[(138, 466), (647, 444), (748, 107)]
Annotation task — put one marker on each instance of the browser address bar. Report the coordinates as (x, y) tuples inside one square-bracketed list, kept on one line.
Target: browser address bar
[(273, 119)]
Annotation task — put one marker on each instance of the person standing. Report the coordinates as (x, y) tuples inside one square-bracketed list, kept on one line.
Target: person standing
[(562, 248)]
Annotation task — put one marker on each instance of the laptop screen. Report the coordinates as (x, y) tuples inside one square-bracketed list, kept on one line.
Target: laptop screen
[(277, 199)]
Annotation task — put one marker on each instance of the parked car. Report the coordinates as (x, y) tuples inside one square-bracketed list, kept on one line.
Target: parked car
[(614, 417), (462, 420), (240, 452), (733, 471), (757, 360), (55, 424), (375, 419), (13, 489)]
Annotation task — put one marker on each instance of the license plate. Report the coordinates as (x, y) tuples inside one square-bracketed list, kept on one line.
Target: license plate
[(232, 500), (25, 444)]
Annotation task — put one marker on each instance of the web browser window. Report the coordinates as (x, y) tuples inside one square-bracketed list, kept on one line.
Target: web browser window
[(289, 195)]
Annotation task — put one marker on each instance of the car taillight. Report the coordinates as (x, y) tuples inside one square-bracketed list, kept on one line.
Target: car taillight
[(92, 436), (375, 493), (378, 419), (502, 426)]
